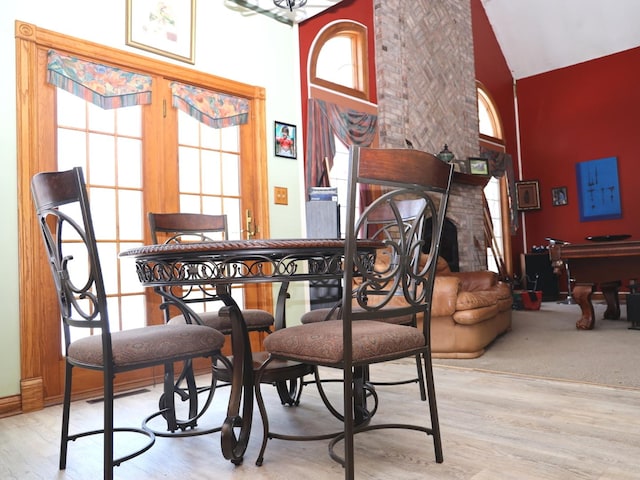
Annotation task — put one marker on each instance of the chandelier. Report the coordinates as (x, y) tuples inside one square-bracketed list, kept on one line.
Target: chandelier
[(290, 4)]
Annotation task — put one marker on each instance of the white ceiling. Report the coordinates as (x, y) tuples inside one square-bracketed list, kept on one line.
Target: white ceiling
[(538, 36)]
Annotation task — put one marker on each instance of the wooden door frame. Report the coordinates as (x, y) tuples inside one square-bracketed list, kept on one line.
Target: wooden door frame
[(34, 154)]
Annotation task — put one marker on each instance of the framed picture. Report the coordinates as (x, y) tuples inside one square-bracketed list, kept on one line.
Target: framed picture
[(285, 140), (528, 195), (598, 189), (165, 27), (478, 166), (460, 165), (559, 196)]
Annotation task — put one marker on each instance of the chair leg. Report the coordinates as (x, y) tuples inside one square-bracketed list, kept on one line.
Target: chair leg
[(423, 391), (263, 414), (107, 459), (433, 409), (348, 424), (64, 435), (169, 400)]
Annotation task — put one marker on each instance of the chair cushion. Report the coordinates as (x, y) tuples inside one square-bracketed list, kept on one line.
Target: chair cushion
[(321, 342), (255, 320), (148, 345)]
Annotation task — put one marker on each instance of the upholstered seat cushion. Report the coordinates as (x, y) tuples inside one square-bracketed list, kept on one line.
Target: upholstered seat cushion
[(321, 342), (255, 320), (148, 345)]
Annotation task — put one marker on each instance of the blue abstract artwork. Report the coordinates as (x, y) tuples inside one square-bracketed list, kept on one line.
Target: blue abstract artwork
[(598, 189)]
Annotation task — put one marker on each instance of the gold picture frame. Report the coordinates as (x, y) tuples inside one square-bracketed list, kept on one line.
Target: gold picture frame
[(164, 27), (528, 195)]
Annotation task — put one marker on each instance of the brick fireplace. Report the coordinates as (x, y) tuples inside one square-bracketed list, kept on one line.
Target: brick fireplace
[(427, 95)]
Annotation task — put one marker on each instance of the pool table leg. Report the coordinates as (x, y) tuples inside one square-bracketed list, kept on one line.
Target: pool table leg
[(582, 295)]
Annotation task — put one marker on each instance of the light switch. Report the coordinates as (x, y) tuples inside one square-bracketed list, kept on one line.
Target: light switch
[(281, 196)]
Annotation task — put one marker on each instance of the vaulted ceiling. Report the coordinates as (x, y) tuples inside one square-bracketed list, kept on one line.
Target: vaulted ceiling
[(535, 36), (538, 36)]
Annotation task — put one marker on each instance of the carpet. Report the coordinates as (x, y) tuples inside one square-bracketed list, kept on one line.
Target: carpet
[(545, 343)]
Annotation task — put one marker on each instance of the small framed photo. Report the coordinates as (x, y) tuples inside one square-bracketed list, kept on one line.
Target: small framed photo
[(285, 140), (164, 27), (478, 166), (460, 165), (559, 196), (528, 195)]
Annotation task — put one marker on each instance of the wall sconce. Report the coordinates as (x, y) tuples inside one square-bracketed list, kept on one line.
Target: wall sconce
[(290, 4)]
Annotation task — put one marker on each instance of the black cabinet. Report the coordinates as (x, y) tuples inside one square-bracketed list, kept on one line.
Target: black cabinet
[(537, 267)]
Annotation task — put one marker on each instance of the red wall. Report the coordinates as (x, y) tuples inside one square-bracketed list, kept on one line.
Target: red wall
[(583, 112)]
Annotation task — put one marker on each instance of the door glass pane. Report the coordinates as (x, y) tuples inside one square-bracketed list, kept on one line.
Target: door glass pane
[(209, 169), (107, 144)]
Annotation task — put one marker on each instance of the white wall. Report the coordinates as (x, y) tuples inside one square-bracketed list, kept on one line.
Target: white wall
[(249, 48)]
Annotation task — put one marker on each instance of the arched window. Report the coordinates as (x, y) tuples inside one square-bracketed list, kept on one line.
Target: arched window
[(339, 60), (490, 124), (491, 138), (339, 73)]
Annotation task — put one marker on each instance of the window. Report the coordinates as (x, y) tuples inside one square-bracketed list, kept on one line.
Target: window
[(490, 124), (490, 128), (339, 61)]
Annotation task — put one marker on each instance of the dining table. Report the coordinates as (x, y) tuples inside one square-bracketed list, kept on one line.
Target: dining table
[(174, 270)]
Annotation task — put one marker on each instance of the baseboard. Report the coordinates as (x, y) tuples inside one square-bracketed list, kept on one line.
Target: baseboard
[(10, 406), (32, 392)]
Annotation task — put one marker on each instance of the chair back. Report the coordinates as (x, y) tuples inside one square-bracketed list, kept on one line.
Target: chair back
[(399, 190), (188, 227), (64, 216)]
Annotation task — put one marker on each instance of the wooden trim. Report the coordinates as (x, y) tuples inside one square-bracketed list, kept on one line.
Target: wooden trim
[(32, 393), (10, 406)]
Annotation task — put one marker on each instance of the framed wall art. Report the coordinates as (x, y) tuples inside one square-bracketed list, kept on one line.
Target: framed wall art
[(478, 166), (528, 195), (598, 189), (285, 140), (164, 27), (559, 196)]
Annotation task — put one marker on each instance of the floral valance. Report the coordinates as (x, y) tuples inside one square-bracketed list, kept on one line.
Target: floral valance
[(105, 86), (214, 109)]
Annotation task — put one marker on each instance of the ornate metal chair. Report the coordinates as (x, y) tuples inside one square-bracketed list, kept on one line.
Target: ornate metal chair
[(382, 224), (190, 227), (195, 227), (396, 282), (64, 215)]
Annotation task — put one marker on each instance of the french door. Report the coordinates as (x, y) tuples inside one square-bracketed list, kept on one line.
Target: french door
[(136, 159)]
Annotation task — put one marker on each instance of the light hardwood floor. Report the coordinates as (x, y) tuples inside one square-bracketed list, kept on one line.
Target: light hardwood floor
[(494, 427)]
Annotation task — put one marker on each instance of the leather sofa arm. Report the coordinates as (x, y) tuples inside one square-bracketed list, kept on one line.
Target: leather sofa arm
[(445, 295)]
